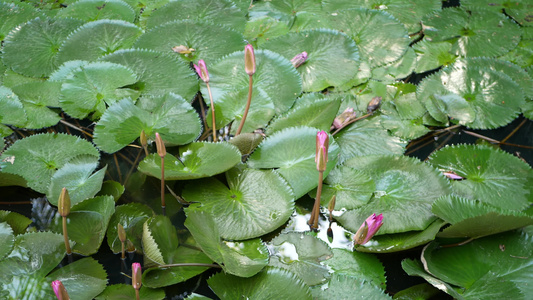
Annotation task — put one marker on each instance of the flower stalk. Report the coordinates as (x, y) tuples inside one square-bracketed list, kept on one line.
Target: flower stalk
[(60, 291), (162, 152), (250, 68), (63, 206), (321, 159), (201, 70), (122, 237)]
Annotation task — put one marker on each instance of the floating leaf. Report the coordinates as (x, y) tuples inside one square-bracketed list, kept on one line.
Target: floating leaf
[(39, 39), (7, 239), (132, 217), (170, 115), (38, 157), (519, 10), (333, 57), (285, 10), (342, 286), (243, 258), (200, 159), (401, 68), (263, 29), (292, 153), (301, 254), (92, 87), (11, 110), (419, 291), (123, 291), (522, 55), (194, 34), (470, 31), (256, 203), (18, 222), (363, 266), (36, 97), (395, 193), (111, 188), (158, 73), (14, 14), (415, 268), (112, 36), (92, 10), (160, 240), (491, 176), (431, 55), (271, 283)]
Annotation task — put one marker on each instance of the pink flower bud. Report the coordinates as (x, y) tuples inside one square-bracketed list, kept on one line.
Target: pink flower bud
[(321, 155), (346, 116), (249, 60), (60, 291), (299, 59), (368, 229), (136, 277), (201, 69), (452, 175)]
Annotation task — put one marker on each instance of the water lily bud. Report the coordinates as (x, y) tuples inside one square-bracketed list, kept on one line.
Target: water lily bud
[(161, 150), (373, 104), (330, 234), (368, 229), (321, 155), (121, 233), (331, 205), (201, 70), (63, 205), (249, 60), (143, 139), (60, 291), (181, 49), (299, 59), (347, 115), (452, 175), (136, 276)]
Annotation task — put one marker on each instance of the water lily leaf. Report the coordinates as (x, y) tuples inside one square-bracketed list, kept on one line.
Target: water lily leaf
[(285, 10), (11, 109), (271, 283), (78, 178), (367, 137), (431, 55), (87, 223), (312, 110), (240, 258), (419, 291), (276, 86), (256, 203), (363, 266), (132, 217), (111, 188), (301, 254), (195, 34), (408, 12), (112, 36), (7, 239), (91, 87), (83, 279), (396, 70), (394, 177), (18, 222), (38, 157), (405, 129), (170, 115), (123, 291), (475, 219), (223, 12), (491, 176), (333, 57), (14, 14), (92, 10), (200, 159), (522, 55), (246, 142), (292, 153), (342, 286), (264, 28), (158, 73), (159, 277), (480, 267), (469, 31), (39, 39), (159, 234), (519, 10), (389, 243)]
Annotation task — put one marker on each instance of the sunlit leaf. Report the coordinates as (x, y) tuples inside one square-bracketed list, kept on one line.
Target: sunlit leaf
[(519, 10), (92, 10), (263, 29), (11, 110), (14, 14), (7, 239), (431, 55), (342, 286), (363, 266)]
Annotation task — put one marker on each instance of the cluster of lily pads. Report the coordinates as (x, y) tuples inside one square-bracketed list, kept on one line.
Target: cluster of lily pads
[(109, 71)]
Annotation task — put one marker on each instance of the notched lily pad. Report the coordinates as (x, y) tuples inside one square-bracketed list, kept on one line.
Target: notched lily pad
[(91, 10)]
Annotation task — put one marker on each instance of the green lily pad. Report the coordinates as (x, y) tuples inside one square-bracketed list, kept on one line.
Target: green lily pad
[(37, 157), (256, 203), (522, 55), (240, 258), (419, 291), (170, 115), (11, 109), (83, 279), (159, 73), (363, 266), (195, 34), (271, 283), (39, 39), (431, 55), (112, 35), (132, 217), (92, 87), (262, 29), (333, 57), (470, 31), (7, 239), (14, 14), (223, 12), (475, 219), (292, 153), (285, 10), (301, 254), (491, 176), (247, 142), (18, 222), (160, 241), (342, 286), (482, 266), (394, 71), (313, 110), (123, 291), (200, 159), (78, 178), (415, 268), (519, 10), (111, 188), (396, 192), (87, 223), (92, 10)]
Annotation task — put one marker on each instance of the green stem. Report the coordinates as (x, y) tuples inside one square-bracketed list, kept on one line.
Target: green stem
[(65, 236), (163, 205), (313, 221), (212, 112), (137, 294), (241, 125)]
